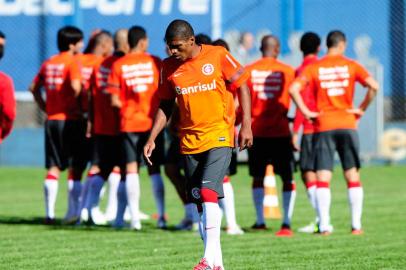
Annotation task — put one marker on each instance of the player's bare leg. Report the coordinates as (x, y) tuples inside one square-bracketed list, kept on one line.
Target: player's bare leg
[(355, 198), (158, 191), (178, 180), (50, 193)]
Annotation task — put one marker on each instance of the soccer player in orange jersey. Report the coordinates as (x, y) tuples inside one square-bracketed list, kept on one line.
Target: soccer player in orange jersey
[(269, 81), (333, 80), (106, 129), (100, 46), (310, 47), (133, 83), (196, 75), (61, 78)]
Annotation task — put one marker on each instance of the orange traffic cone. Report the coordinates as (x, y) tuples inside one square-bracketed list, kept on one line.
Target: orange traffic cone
[(271, 204)]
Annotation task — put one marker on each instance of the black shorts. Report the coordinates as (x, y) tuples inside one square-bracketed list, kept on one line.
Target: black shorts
[(66, 144), (80, 147), (275, 151), (206, 170), (307, 155), (57, 144), (173, 155), (133, 147), (344, 141), (107, 152)]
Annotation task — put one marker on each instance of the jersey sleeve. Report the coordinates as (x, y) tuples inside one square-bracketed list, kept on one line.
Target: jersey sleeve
[(232, 70), (165, 89), (361, 74), (113, 81)]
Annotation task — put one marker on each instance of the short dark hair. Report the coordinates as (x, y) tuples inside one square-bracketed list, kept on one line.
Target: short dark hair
[(2, 35), (222, 43), (335, 37), (178, 29), (202, 39), (135, 34), (68, 35), (309, 43)]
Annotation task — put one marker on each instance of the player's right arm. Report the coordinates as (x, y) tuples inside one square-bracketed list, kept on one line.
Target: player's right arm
[(167, 98), (295, 88), (35, 89), (161, 119)]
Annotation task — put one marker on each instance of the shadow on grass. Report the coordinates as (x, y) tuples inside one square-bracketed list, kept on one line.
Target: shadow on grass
[(147, 226)]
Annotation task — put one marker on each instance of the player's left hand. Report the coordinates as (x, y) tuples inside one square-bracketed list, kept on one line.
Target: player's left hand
[(148, 148), (357, 112), (245, 138)]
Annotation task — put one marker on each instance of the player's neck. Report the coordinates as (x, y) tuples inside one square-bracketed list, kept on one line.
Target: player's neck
[(334, 52), (196, 51)]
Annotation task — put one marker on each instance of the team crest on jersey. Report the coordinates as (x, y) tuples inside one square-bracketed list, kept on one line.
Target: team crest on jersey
[(207, 69), (196, 193)]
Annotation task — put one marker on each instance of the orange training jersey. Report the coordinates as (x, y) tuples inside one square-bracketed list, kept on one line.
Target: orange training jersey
[(206, 107), (134, 77), (333, 80), (105, 117), (88, 62), (56, 75), (269, 83)]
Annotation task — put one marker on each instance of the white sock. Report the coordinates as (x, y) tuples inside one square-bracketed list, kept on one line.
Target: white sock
[(355, 198), (159, 193), (111, 209), (323, 195), (212, 224), (258, 196), (132, 185), (288, 198), (311, 194), (121, 203), (50, 192), (228, 203), (93, 194)]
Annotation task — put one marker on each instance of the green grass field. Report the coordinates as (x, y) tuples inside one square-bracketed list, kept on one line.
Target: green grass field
[(27, 244)]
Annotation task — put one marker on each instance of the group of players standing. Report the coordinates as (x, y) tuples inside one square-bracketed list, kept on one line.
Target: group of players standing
[(108, 103)]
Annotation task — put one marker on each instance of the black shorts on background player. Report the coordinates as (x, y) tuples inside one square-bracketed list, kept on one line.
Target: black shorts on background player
[(65, 144), (275, 151), (344, 141), (206, 170), (307, 156), (133, 143), (107, 153)]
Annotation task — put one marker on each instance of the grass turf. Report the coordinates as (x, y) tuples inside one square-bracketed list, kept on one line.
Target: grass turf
[(27, 244)]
